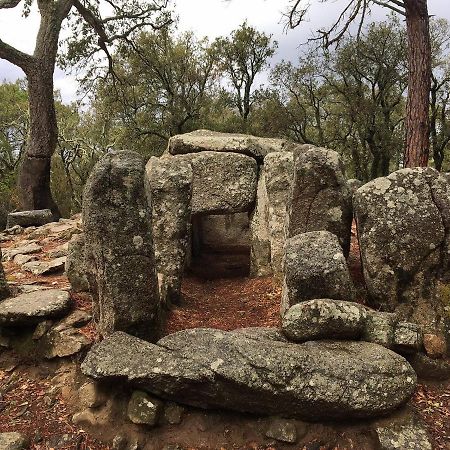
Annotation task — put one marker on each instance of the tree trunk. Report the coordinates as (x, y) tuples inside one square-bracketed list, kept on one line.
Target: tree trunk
[(34, 177), (419, 83)]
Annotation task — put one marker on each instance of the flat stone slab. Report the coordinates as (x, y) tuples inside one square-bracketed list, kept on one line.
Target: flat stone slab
[(45, 267), (34, 307), (209, 368), (30, 218)]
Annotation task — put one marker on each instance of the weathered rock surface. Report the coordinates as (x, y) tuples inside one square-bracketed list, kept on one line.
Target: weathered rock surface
[(13, 441), (380, 328), (260, 252), (354, 184), (320, 198), (282, 430), (205, 140), (408, 337), (24, 219), (76, 270), (223, 183), (314, 267), (29, 248), (170, 183), (279, 169), (45, 267), (34, 307), (4, 291), (403, 223), (217, 369), (119, 247), (324, 319), (428, 368), (143, 409)]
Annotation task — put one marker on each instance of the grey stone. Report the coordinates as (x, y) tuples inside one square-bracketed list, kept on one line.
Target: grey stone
[(91, 395), (34, 307), (403, 222), (314, 267), (205, 140), (428, 368), (282, 430), (59, 251), (173, 413), (76, 270), (279, 170), (119, 247), (408, 337), (144, 409), (45, 267), (315, 380), (223, 183), (4, 290), (24, 249), (75, 319), (379, 328), (23, 259), (13, 441), (406, 436), (320, 198), (260, 253), (324, 319), (170, 184), (61, 343), (36, 217)]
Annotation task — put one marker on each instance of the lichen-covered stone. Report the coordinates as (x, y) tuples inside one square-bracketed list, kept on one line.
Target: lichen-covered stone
[(278, 169), (315, 380), (320, 198), (34, 307), (314, 267), (170, 184), (76, 270), (120, 258), (143, 409), (205, 140), (223, 183), (13, 441), (45, 267), (260, 253), (36, 217), (408, 337), (403, 222), (379, 328), (282, 430), (324, 319)]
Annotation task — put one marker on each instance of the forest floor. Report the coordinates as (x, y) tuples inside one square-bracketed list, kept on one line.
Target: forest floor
[(33, 398)]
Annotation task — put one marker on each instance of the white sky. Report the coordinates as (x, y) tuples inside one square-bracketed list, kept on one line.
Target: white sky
[(210, 18)]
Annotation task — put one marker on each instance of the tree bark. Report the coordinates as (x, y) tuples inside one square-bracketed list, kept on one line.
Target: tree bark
[(34, 177), (419, 84)]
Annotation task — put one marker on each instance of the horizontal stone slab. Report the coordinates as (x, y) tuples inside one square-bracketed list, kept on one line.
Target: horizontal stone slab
[(251, 372)]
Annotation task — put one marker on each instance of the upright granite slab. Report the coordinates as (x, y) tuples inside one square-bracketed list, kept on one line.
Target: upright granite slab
[(170, 184), (119, 247), (320, 198), (403, 229), (209, 368)]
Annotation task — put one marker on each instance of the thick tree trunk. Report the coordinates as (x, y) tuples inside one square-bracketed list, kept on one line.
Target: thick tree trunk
[(419, 84), (34, 178)]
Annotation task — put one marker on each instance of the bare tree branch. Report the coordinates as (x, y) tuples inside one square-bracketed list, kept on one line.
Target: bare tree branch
[(14, 56)]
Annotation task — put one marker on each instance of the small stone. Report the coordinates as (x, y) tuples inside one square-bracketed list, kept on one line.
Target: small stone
[(379, 328), (90, 395), (23, 259), (435, 346), (41, 329), (430, 369), (143, 409), (29, 218), (282, 430), (26, 249), (410, 436), (119, 442), (407, 337), (45, 267), (13, 441), (84, 417), (173, 413)]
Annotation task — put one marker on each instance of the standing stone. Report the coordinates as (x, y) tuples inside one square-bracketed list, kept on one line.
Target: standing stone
[(260, 253), (170, 184), (314, 268), (75, 264), (278, 168), (320, 198), (403, 222), (4, 291), (119, 247)]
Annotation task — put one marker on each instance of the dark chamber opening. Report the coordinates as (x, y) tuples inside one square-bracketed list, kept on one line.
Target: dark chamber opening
[(220, 246)]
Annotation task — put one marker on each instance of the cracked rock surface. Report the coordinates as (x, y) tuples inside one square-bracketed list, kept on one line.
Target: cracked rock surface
[(253, 373), (119, 247), (403, 228)]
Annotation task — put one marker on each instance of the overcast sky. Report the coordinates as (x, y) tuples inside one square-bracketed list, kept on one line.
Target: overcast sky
[(210, 18)]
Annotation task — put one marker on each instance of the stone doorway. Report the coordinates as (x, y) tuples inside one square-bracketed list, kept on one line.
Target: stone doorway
[(220, 246)]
